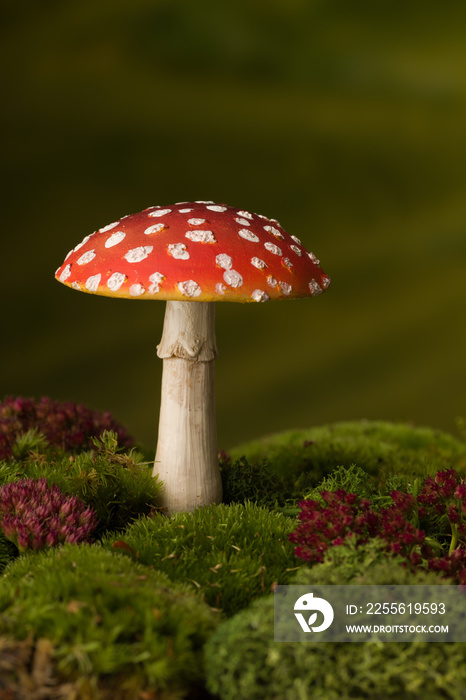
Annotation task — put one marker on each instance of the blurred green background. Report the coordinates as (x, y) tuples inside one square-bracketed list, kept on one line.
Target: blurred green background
[(343, 120)]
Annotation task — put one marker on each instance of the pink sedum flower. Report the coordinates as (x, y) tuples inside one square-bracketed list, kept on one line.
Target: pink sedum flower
[(34, 515), (64, 424)]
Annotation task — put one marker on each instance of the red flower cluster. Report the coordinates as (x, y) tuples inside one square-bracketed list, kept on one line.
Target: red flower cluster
[(440, 504), (67, 425), (344, 515), (445, 493), (35, 515)]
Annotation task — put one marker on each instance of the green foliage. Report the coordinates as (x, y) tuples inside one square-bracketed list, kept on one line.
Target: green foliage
[(116, 484), (8, 551), (353, 479), (31, 441), (112, 622), (233, 554), (255, 482), (242, 659), (381, 449)]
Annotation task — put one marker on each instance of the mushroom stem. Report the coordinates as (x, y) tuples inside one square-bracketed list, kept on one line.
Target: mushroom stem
[(186, 458)]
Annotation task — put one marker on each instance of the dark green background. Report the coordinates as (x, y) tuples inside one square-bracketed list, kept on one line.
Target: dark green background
[(343, 120)]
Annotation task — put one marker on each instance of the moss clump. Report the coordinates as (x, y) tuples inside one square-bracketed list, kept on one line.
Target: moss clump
[(300, 459), (233, 554), (110, 623), (117, 485), (242, 659)]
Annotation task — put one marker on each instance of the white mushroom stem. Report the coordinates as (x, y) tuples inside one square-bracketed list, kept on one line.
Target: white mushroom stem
[(186, 458)]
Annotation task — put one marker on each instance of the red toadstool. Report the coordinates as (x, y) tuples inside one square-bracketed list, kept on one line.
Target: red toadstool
[(192, 252)]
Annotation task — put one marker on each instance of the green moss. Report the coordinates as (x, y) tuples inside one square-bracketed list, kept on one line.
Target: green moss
[(365, 564), (107, 618), (256, 482), (242, 659), (232, 554), (301, 458)]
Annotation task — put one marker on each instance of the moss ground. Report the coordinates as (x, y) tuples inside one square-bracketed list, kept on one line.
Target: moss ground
[(182, 607)]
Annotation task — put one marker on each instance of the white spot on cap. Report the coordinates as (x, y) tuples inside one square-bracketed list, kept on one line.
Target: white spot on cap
[(84, 240), (200, 201), (220, 288), (233, 278), (246, 214), (224, 261), (138, 254), (315, 288), (314, 259), (92, 283), (274, 231), (296, 250), (273, 248), (156, 228), (86, 257), (136, 290), (201, 236), (215, 207), (271, 281), (76, 285), (155, 279), (115, 238), (109, 227), (189, 288), (296, 240), (287, 263), (65, 274), (184, 211), (257, 262), (178, 251), (196, 222), (242, 222), (285, 287), (248, 235), (325, 282), (115, 281), (160, 212), (259, 295)]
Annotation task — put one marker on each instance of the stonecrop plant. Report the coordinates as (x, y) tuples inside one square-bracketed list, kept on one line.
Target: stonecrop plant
[(425, 527), (64, 424), (344, 515), (34, 515)]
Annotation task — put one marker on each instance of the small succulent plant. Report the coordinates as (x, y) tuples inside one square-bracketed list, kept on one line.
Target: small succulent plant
[(344, 515), (64, 424), (438, 507), (34, 515)]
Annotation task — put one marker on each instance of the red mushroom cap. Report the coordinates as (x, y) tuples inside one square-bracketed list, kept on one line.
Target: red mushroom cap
[(194, 251)]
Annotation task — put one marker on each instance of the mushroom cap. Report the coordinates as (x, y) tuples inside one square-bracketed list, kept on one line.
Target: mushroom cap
[(194, 251)]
